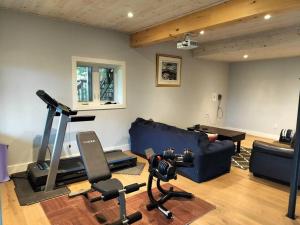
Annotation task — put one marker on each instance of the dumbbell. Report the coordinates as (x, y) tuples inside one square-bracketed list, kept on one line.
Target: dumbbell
[(167, 170), (169, 154), (188, 155)]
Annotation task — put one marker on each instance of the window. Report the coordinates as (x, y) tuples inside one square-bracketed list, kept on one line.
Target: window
[(84, 84), (98, 84), (106, 84)]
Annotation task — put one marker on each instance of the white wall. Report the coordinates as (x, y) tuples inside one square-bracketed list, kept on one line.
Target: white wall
[(263, 95), (35, 53)]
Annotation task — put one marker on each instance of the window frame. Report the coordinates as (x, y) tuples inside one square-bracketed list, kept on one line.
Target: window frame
[(119, 79)]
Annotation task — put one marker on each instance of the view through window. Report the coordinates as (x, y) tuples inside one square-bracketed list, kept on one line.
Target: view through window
[(100, 84), (84, 84), (106, 84)]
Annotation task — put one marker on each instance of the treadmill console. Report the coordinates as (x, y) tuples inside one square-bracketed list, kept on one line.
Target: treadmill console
[(47, 98), (51, 102)]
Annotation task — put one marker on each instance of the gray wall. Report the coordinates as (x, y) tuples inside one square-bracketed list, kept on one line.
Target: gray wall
[(263, 95), (35, 53)]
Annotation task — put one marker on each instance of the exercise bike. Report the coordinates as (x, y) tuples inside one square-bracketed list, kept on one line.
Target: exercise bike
[(163, 168)]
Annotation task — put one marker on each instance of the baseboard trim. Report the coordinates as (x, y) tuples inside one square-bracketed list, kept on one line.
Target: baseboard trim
[(255, 133), (15, 168)]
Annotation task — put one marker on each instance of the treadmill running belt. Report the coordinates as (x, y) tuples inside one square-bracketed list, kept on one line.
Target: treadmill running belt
[(118, 160)]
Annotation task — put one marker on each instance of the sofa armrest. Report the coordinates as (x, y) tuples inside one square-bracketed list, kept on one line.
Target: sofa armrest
[(220, 146), (268, 148)]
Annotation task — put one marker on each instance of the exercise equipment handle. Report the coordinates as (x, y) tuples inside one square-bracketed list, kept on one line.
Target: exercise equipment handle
[(82, 118), (95, 199), (133, 187), (127, 189), (130, 219), (134, 217), (110, 195)]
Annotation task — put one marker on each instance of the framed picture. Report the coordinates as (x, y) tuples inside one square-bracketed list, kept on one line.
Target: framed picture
[(168, 70)]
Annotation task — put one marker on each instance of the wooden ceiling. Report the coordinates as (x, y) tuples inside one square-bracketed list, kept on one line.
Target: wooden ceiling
[(222, 41), (111, 14)]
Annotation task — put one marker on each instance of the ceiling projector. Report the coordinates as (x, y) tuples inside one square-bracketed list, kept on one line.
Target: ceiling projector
[(187, 44)]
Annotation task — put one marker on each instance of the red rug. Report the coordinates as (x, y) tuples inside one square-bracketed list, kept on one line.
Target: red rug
[(78, 211)]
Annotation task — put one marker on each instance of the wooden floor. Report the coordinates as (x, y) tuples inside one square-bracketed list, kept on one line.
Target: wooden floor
[(239, 197)]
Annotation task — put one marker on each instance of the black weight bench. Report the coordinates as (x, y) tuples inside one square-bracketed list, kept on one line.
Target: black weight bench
[(99, 176)]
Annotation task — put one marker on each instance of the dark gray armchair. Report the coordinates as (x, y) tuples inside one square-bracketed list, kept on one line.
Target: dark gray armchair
[(272, 161)]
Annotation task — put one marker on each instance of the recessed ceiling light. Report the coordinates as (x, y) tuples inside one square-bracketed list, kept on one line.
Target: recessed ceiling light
[(245, 56), (267, 17), (202, 32), (130, 14)]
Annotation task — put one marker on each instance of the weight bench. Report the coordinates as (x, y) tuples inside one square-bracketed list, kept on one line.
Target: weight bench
[(99, 176)]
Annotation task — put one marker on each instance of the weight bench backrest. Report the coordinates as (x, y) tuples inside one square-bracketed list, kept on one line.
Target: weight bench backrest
[(93, 156)]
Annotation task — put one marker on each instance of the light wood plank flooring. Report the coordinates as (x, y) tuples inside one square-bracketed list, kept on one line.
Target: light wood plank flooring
[(239, 197)]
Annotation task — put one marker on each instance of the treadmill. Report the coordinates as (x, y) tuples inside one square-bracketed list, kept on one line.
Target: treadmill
[(48, 174)]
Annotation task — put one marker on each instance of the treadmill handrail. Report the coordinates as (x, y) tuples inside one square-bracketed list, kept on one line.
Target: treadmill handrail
[(61, 108), (82, 118)]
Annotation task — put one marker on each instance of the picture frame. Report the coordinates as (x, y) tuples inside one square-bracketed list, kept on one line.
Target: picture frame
[(168, 70)]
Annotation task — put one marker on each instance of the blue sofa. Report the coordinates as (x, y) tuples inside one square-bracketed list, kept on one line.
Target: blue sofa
[(211, 159)]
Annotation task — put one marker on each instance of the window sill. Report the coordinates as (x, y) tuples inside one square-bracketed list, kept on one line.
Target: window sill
[(82, 107)]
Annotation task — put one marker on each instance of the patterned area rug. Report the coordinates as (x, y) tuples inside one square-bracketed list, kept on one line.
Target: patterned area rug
[(241, 160)]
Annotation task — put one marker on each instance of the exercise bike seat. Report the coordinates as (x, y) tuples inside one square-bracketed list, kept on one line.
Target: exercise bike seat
[(107, 185)]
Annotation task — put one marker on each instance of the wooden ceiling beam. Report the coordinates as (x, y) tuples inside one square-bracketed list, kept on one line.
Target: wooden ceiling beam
[(267, 44), (218, 15)]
